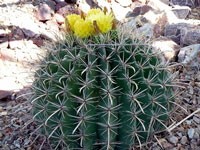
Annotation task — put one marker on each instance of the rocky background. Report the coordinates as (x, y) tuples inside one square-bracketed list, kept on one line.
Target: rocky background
[(25, 25)]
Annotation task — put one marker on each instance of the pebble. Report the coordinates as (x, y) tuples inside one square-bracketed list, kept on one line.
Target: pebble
[(173, 140), (196, 119), (179, 134), (17, 144), (196, 135), (188, 122), (184, 140), (4, 113), (191, 133)]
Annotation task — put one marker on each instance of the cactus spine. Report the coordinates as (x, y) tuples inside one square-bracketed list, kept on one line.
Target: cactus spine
[(104, 92)]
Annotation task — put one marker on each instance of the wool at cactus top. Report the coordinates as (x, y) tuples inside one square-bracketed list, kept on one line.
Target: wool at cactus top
[(104, 92)]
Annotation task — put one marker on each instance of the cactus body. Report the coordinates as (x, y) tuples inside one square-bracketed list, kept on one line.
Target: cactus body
[(105, 92)]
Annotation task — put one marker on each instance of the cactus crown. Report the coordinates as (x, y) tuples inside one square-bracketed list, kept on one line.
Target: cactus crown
[(104, 92)]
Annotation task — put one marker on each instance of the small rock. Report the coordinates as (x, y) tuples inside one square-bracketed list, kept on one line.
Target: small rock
[(64, 10), (184, 140), (60, 5), (190, 55), (26, 142), (43, 13), (28, 33), (145, 9), (188, 122), (17, 144), (5, 94), (173, 140), (4, 113), (196, 119), (191, 132), (181, 11), (1, 135), (140, 10)]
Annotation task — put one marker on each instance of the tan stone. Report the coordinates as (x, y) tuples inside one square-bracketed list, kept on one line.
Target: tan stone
[(166, 47)]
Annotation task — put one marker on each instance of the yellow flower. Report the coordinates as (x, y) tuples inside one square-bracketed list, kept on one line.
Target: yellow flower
[(72, 20), (82, 28), (94, 12), (104, 21)]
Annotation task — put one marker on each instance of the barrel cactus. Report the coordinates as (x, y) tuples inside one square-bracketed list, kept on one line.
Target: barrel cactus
[(107, 91)]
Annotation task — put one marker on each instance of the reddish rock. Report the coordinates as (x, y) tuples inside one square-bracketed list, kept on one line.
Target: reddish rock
[(136, 12), (145, 9), (38, 41), (60, 5), (43, 13), (17, 34), (28, 33), (140, 10)]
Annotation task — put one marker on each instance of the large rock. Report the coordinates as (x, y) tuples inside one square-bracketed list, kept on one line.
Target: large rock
[(190, 36), (181, 11), (190, 3), (190, 55), (167, 48), (5, 94), (173, 31)]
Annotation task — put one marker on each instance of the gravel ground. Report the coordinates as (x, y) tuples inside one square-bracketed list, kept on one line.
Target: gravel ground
[(17, 130)]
